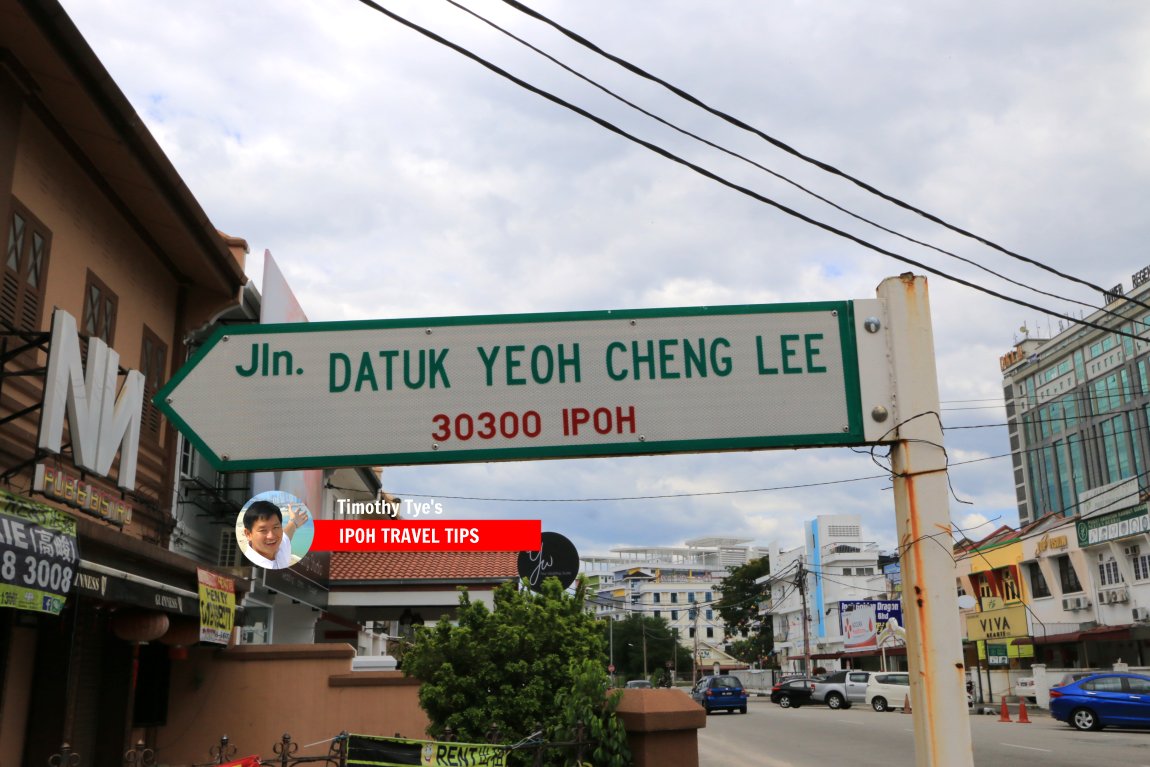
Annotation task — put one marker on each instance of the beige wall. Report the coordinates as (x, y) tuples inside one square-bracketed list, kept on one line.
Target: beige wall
[(256, 693), (89, 233)]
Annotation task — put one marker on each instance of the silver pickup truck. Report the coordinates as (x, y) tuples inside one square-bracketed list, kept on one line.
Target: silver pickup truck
[(840, 689)]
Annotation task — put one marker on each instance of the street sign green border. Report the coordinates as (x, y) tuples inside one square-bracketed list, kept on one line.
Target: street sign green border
[(851, 435)]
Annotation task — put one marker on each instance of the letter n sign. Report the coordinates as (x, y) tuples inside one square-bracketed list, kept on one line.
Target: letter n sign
[(100, 422)]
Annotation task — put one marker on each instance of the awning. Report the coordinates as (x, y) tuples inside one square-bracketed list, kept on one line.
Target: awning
[(890, 651), (113, 585), (1097, 634)]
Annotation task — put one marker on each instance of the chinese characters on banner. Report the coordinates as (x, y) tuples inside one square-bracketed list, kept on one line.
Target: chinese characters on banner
[(38, 555)]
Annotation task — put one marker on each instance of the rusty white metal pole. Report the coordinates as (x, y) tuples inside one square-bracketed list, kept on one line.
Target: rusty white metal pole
[(922, 507)]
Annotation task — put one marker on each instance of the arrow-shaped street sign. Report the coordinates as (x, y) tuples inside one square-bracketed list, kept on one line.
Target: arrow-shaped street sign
[(455, 389)]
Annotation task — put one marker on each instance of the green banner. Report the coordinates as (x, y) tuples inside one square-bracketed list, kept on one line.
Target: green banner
[(38, 555), (1113, 526), (376, 751)]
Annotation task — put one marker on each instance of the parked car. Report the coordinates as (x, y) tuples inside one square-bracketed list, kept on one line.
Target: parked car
[(721, 692), (886, 692), (792, 693), (841, 689), (1103, 700), (1025, 688), (639, 683)]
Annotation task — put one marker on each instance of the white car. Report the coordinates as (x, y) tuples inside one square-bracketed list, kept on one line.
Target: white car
[(888, 691)]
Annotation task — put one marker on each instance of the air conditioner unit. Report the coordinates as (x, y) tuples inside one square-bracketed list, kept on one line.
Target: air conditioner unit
[(1104, 597), (1068, 603), (1141, 613), (1083, 603), (1121, 594), (1132, 551)]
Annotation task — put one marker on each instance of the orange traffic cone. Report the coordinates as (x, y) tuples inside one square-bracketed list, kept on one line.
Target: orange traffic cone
[(1005, 715), (906, 705), (1022, 717)]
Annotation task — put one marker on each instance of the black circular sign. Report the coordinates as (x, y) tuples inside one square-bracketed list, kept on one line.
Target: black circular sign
[(556, 557)]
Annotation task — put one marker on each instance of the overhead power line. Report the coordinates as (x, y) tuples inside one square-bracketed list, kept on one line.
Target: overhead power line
[(775, 174), (640, 72), (716, 177)]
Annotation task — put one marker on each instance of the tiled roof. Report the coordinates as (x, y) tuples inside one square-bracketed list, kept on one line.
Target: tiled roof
[(422, 565)]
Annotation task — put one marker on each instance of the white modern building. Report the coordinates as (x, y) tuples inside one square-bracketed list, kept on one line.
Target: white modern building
[(813, 589), (680, 584)]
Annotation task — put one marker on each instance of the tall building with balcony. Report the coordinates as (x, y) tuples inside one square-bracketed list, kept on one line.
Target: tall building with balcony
[(679, 584)]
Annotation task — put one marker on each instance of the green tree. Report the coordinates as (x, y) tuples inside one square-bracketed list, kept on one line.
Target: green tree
[(739, 609), (588, 713), (507, 666), (628, 637), (756, 648)]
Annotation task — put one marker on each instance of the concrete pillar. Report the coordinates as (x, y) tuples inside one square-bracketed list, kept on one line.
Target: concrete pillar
[(662, 727), (1041, 685)]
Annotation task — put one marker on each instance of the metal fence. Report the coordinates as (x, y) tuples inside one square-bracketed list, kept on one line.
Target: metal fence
[(286, 751)]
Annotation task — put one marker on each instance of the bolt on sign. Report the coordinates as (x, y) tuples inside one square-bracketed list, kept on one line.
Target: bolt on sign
[(530, 386)]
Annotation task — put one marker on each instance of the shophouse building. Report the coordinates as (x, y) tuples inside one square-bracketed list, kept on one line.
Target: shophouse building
[(109, 264)]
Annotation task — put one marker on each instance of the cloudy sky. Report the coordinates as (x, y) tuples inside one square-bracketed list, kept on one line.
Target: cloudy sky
[(392, 177)]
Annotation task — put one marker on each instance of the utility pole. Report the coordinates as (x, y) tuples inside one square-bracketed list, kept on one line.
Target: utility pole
[(942, 734), (802, 584), (643, 629), (611, 642), (695, 654)]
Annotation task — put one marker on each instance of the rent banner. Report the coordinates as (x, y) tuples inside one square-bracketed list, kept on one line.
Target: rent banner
[(217, 607), (375, 751), (38, 555)]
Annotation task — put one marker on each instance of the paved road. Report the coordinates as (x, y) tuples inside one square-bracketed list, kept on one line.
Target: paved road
[(815, 736)]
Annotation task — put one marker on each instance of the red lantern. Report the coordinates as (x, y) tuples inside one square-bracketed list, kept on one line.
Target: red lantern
[(182, 633), (139, 625)]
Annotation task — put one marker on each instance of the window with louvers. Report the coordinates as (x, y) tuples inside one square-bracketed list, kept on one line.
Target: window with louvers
[(153, 357), (25, 271)]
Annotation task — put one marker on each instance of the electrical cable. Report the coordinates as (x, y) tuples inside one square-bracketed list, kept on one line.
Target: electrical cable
[(775, 174), (640, 72), (666, 154)]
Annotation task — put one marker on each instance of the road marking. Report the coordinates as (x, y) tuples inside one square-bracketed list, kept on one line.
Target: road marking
[(1028, 748)]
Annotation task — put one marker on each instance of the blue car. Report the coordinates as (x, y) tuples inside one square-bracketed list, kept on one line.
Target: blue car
[(1103, 700), (720, 692)]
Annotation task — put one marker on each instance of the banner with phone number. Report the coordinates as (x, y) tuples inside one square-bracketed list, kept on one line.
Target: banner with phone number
[(38, 555), (379, 751)]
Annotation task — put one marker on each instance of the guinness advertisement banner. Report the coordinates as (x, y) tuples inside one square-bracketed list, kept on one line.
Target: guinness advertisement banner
[(107, 585)]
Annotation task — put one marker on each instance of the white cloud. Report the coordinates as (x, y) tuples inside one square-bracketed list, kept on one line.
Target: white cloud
[(393, 178)]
